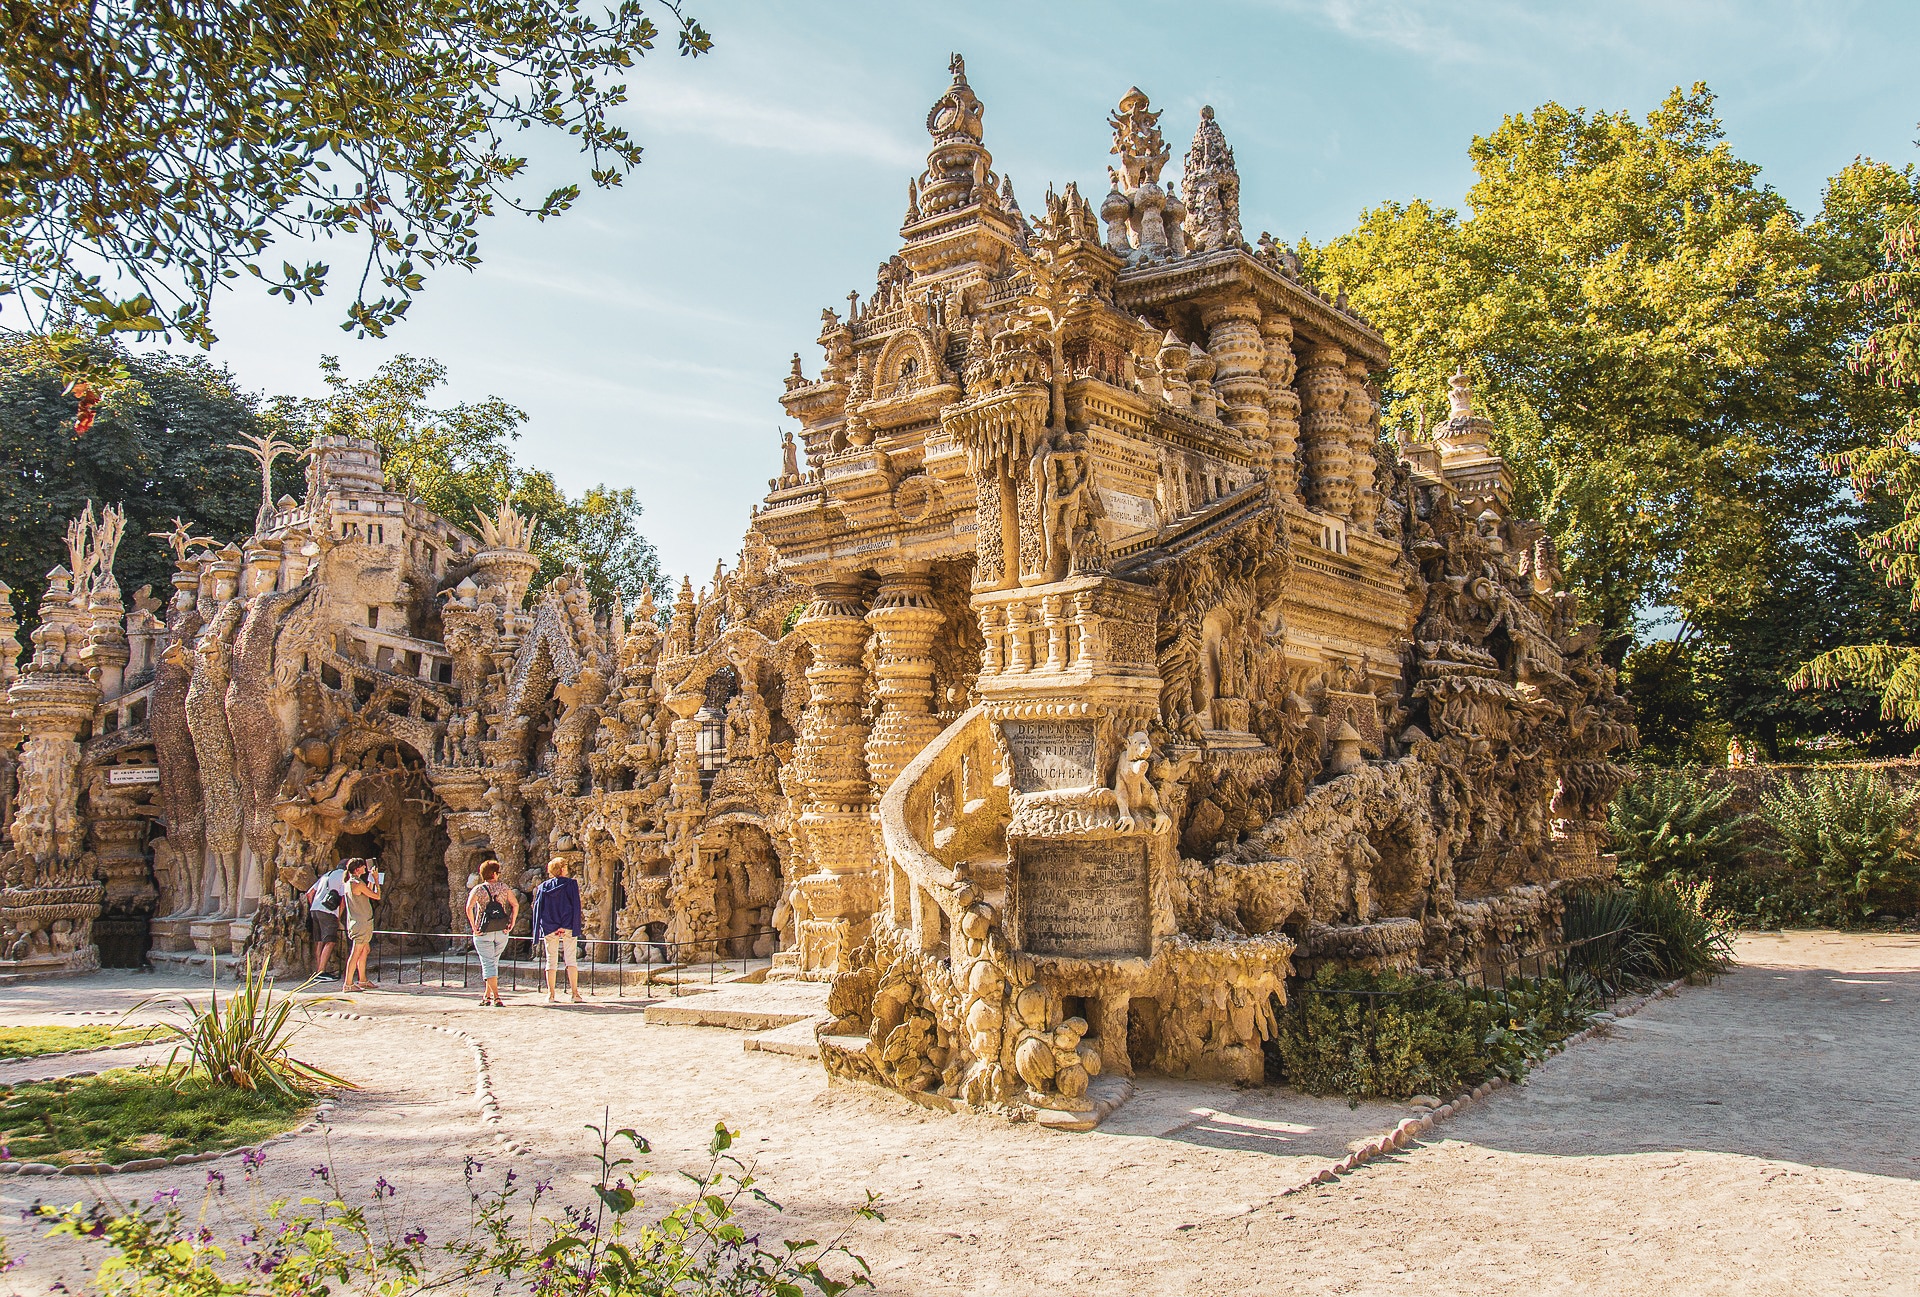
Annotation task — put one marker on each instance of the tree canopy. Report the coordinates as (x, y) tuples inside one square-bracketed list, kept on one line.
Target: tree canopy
[(1886, 471), (163, 448), (153, 150), (160, 449), (1663, 343)]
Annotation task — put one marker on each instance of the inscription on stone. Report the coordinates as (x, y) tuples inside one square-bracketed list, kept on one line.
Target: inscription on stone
[(1051, 754), (1134, 512), (1085, 900)]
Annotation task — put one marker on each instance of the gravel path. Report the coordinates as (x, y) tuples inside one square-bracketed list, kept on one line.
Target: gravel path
[(1751, 1137)]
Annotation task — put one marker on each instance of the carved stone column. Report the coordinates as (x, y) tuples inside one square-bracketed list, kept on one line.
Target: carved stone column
[(834, 900), (1283, 403), (1240, 357), (46, 915), (1329, 444), (1363, 421), (904, 619)]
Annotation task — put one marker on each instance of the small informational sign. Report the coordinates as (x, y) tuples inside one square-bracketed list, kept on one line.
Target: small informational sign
[(1085, 900), (1051, 754), (1133, 512), (123, 776)]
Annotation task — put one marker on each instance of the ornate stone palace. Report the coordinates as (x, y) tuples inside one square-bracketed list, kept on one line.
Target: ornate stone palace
[(1092, 667)]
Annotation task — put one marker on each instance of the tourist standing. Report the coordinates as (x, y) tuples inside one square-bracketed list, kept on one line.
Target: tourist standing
[(325, 901), (491, 912), (556, 920), (363, 889)]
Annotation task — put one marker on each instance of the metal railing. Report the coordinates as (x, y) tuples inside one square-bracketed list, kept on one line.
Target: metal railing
[(609, 969)]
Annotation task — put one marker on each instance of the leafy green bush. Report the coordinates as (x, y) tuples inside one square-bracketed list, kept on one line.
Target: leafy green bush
[(1391, 1035), (1851, 832), (1674, 824), (605, 1247), (245, 1044)]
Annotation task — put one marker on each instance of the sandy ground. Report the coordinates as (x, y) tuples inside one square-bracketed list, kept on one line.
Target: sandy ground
[(1756, 1136)]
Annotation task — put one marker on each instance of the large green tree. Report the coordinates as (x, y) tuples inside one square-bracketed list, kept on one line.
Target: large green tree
[(154, 150), (458, 460), (160, 450), (1885, 471), (1662, 341)]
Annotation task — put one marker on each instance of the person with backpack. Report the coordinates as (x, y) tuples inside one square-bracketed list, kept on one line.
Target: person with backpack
[(326, 902), (491, 912), (556, 921)]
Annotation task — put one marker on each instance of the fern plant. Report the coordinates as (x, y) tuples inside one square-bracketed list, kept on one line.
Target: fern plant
[(1673, 823), (1851, 830)]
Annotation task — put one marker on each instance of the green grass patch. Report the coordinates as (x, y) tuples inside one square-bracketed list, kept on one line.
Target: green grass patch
[(127, 1114), (31, 1042)]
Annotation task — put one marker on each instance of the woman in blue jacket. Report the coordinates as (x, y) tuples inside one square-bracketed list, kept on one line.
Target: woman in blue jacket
[(556, 921)]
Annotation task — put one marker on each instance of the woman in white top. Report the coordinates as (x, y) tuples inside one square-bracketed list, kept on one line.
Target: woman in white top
[(491, 911)]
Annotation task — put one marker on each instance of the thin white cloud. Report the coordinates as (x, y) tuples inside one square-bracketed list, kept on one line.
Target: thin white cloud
[(783, 128), (607, 291)]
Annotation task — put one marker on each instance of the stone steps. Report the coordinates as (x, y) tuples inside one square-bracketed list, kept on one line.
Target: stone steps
[(744, 1006), (796, 1039)]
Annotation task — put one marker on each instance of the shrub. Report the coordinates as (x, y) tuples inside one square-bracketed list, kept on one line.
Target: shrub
[(1623, 938), (247, 1043), (1683, 937), (1849, 830), (1607, 953), (605, 1247), (1673, 824), (1391, 1035)]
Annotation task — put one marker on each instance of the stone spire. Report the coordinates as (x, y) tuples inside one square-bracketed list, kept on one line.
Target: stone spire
[(959, 168), (1213, 189), (1136, 209)]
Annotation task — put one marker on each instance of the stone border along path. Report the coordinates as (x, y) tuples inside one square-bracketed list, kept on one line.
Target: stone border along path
[(1409, 1131)]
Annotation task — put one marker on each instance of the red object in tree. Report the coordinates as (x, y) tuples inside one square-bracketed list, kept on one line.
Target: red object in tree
[(89, 400)]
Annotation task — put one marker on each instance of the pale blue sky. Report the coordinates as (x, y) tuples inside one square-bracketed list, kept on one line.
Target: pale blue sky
[(648, 331)]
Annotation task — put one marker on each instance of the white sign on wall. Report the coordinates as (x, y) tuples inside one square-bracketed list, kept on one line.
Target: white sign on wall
[(121, 776)]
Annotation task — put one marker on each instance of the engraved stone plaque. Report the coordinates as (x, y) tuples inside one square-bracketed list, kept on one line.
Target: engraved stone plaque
[(1084, 899), (1051, 754)]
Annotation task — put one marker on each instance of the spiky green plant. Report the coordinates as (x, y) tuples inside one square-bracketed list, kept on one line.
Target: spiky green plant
[(1674, 824), (1684, 938), (1607, 952), (1852, 831), (245, 1043)]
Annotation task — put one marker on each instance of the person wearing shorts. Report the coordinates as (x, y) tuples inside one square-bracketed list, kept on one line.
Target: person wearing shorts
[(324, 903), (556, 921), (491, 911), (363, 889)]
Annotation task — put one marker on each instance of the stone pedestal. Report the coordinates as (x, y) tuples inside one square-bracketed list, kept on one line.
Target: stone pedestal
[(170, 936), (210, 936)]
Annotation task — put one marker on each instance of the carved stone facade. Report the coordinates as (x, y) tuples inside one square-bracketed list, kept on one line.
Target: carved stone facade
[(1091, 667)]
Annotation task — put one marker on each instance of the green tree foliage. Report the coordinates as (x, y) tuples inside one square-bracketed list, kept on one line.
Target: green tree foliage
[(458, 460), (169, 145), (160, 449), (1886, 469), (1662, 342)]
